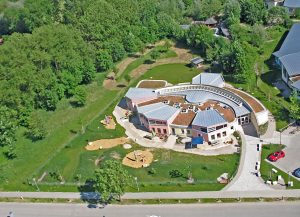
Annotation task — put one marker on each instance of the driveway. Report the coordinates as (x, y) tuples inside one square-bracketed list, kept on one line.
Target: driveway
[(291, 161)]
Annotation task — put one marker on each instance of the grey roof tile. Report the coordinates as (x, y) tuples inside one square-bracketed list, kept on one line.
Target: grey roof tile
[(158, 111), (208, 118), (135, 93)]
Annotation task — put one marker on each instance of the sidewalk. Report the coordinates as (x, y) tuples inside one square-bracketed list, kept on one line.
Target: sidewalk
[(159, 195)]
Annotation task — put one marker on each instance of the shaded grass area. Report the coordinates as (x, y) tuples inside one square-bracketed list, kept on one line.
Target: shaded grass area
[(62, 125), (264, 89), (266, 167), (173, 73)]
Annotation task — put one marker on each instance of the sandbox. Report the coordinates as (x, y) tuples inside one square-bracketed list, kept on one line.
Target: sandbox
[(106, 143), (138, 159)]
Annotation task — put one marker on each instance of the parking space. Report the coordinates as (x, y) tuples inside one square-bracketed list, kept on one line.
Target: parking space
[(291, 161)]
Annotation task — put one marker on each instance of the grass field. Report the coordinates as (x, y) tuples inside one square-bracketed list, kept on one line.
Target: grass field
[(266, 167), (173, 73), (205, 170)]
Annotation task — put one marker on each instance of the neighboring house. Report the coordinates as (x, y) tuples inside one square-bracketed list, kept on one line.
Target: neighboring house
[(214, 79), (292, 5), (288, 58), (197, 62), (203, 109)]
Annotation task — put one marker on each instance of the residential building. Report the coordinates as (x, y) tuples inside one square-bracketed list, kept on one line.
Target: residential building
[(288, 58)]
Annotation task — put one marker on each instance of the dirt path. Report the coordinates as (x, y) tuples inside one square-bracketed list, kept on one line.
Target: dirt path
[(183, 56)]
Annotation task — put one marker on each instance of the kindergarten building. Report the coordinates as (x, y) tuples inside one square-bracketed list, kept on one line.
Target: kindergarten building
[(203, 108)]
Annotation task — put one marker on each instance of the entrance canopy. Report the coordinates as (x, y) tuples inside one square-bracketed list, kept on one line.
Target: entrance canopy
[(197, 140)]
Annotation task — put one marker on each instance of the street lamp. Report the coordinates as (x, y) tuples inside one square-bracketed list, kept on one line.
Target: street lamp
[(136, 182)]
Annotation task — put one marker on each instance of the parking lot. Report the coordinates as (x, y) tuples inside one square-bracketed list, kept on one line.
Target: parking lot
[(291, 161)]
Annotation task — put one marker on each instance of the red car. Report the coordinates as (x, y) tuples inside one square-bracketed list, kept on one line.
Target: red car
[(276, 156)]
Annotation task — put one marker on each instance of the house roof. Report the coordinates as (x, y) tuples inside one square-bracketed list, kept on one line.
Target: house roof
[(291, 43), (136, 93), (184, 119), (197, 60), (171, 100), (210, 21), (214, 79), (185, 26), (296, 84), (208, 118), (292, 3), (289, 52), (157, 111)]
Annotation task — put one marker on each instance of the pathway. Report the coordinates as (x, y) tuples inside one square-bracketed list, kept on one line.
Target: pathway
[(159, 195)]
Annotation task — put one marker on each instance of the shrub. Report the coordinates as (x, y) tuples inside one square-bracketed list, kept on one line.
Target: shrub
[(175, 173)]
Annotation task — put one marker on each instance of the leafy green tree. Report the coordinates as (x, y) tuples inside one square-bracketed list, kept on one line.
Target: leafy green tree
[(116, 50), (10, 153), (294, 106), (111, 179), (252, 11), (104, 61), (258, 35), (36, 129), (154, 55), (80, 95), (278, 16), (232, 12), (7, 126), (201, 37)]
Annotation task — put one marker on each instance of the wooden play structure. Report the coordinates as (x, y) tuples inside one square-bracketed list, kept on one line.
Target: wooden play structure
[(138, 159), (108, 122)]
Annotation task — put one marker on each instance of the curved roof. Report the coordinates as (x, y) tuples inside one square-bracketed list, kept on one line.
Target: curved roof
[(208, 118)]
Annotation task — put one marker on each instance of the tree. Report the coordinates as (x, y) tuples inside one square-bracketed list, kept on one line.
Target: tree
[(36, 127), (111, 179), (294, 106), (232, 12), (258, 35), (80, 95), (104, 61), (154, 55), (252, 11), (278, 16), (7, 126)]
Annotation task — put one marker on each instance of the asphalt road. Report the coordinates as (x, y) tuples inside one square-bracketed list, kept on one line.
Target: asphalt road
[(290, 209)]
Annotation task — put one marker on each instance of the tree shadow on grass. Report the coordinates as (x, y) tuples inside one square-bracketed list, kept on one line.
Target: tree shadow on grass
[(88, 194)]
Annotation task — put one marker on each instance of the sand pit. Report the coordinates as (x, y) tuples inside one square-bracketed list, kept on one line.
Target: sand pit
[(106, 143), (109, 123), (138, 159)]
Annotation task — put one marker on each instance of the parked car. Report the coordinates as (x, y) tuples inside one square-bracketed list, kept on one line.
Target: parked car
[(276, 156), (297, 172)]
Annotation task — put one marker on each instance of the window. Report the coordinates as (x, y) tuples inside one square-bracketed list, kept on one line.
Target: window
[(165, 131), (188, 131), (182, 131), (173, 131), (153, 130), (213, 137), (224, 134), (158, 130), (219, 127), (219, 135), (232, 127)]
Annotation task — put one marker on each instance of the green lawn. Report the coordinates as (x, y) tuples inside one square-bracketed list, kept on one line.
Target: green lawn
[(205, 170), (173, 73), (266, 167)]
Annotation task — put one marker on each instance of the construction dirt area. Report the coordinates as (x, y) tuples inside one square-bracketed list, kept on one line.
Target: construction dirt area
[(106, 143), (108, 122), (138, 159)]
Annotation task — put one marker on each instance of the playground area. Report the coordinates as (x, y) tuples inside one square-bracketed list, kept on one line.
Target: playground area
[(108, 122), (106, 143), (138, 159)]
